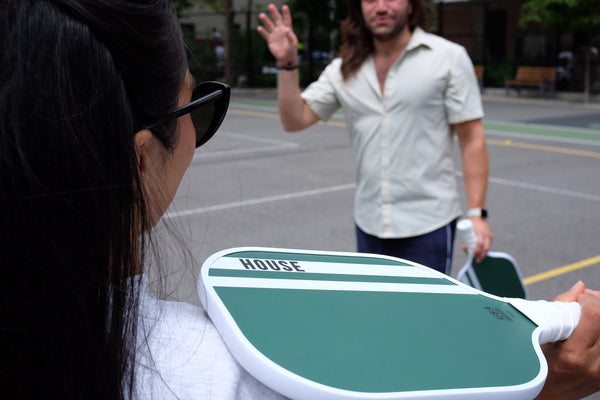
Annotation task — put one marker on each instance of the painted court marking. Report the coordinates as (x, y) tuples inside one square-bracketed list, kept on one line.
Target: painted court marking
[(527, 130), (261, 200), (562, 270), (351, 186), (262, 145), (520, 130), (523, 130)]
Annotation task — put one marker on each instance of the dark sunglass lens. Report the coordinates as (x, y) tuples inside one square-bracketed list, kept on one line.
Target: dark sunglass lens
[(213, 98), (203, 120)]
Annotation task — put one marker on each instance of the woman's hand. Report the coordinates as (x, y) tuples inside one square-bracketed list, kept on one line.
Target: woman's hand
[(574, 364)]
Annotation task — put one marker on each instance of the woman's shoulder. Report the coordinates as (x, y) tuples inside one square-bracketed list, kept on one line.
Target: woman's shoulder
[(184, 356)]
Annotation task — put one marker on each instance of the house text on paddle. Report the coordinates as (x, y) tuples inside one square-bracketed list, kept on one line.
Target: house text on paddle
[(274, 265)]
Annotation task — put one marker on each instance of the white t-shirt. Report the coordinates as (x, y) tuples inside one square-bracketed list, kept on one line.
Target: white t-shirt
[(187, 358), (403, 136)]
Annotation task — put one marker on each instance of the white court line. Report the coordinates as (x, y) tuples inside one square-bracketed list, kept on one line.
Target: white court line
[(546, 189), (349, 186), (273, 145), (541, 188), (261, 200)]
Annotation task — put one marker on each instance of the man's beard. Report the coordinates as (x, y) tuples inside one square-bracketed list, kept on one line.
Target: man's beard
[(396, 29)]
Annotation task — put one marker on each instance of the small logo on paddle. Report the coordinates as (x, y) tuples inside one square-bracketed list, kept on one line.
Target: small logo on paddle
[(498, 314)]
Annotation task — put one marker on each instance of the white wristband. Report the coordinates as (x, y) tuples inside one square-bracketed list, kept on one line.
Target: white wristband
[(477, 212)]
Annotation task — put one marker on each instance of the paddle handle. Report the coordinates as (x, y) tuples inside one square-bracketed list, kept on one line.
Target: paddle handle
[(465, 227), (556, 319)]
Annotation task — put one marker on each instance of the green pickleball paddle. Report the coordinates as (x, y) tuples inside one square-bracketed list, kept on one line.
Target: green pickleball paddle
[(324, 325)]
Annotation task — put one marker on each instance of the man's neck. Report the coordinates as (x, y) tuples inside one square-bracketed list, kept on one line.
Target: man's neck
[(394, 46), (387, 52)]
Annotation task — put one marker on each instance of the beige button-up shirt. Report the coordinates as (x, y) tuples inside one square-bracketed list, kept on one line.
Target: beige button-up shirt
[(403, 136)]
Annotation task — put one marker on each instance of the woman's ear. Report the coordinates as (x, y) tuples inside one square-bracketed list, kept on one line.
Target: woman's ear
[(142, 140)]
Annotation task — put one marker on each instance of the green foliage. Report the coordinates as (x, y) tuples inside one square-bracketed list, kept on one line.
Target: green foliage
[(497, 71), (181, 5), (215, 5), (260, 56), (580, 16), (316, 20), (202, 59)]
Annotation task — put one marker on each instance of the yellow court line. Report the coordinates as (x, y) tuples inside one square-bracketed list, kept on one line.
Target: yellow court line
[(338, 124), (496, 142), (553, 149), (562, 270), (254, 113), (270, 115)]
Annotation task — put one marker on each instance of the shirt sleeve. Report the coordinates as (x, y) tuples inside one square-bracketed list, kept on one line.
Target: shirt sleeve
[(181, 355), (321, 95), (463, 99)]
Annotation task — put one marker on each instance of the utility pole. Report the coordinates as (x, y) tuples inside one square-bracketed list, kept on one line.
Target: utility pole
[(229, 14), (249, 31)]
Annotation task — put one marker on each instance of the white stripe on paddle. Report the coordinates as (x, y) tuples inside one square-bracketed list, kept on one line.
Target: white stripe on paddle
[(216, 282)]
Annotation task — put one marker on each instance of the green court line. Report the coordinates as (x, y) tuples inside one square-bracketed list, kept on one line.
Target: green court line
[(565, 133), (537, 130), (325, 277)]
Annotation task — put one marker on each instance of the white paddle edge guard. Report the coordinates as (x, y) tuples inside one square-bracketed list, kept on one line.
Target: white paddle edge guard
[(466, 272), (296, 387), (556, 319)]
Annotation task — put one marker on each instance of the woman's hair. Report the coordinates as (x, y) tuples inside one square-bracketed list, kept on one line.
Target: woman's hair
[(76, 79), (357, 41)]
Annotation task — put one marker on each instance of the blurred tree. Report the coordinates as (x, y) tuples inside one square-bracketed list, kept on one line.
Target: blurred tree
[(181, 5), (566, 16), (317, 25), (229, 21)]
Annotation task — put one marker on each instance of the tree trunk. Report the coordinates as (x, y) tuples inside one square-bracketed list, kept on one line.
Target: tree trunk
[(249, 60)]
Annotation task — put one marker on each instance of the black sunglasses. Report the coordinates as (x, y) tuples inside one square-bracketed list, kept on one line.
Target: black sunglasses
[(208, 107)]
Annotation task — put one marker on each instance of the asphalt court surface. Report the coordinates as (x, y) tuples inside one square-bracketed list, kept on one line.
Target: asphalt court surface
[(255, 185)]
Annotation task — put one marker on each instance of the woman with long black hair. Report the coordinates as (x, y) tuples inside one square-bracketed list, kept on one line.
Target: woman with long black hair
[(95, 135)]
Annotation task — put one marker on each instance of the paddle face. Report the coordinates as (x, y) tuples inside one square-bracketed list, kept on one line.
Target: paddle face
[(316, 325), (497, 274)]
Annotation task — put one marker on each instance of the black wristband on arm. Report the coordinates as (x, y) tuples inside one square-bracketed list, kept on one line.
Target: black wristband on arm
[(288, 67)]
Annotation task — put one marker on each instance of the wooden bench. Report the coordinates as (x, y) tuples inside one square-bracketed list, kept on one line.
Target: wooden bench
[(544, 78)]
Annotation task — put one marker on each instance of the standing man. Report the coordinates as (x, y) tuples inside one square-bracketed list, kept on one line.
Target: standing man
[(404, 92)]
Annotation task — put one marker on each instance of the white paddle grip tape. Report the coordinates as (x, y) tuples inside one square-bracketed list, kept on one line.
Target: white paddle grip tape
[(465, 227), (556, 319)]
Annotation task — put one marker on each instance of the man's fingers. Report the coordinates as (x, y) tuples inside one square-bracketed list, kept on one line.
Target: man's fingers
[(275, 13), (267, 23), (263, 32), (287, 16)]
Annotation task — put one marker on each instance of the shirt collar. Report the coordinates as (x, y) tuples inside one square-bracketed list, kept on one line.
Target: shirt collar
[(419, 38)]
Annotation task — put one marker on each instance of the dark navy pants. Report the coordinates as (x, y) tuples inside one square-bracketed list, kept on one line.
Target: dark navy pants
[(433, 249)]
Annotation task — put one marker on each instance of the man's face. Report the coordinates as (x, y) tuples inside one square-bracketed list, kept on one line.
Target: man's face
[(386, 18)]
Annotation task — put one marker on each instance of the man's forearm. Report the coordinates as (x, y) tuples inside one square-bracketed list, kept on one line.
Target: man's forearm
[(475, 164), (291, 104), (475, 173)]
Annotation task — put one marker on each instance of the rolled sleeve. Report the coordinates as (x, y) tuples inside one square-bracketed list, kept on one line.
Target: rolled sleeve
[(463, 99), (321, 95)]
